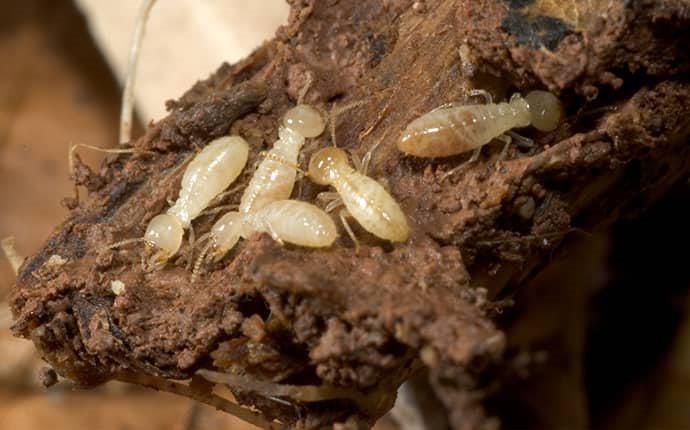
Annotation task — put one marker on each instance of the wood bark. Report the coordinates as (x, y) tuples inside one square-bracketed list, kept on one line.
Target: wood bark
[(364, 321)]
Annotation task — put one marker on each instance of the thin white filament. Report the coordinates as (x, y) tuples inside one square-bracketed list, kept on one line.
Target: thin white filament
[(134, 53)]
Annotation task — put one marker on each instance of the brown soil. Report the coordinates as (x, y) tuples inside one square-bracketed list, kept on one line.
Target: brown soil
[(361, 321)]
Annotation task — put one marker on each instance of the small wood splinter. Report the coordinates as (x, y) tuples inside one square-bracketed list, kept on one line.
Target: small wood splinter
[(453, 130), (134, 53), (13, 257)]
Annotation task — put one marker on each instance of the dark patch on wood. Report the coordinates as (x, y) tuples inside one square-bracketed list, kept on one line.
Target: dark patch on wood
[(536, 31)]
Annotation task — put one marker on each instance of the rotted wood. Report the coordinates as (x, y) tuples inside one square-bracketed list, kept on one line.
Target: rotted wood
[(362, 321)]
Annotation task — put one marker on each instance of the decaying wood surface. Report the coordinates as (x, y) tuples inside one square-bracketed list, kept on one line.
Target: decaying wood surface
[(363, 321)]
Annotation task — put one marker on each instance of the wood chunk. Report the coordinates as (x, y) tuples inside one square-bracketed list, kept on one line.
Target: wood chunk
[(363, 321)]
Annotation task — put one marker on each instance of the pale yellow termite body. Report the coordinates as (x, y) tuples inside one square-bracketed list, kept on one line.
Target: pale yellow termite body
[(275, 177), (291, 221), (209, 173), (454, 130), (264, 206), (364, 198)]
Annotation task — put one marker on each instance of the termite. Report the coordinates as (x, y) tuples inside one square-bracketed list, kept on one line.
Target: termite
[(292, 221), (209, 173), (273, 179), (453, 130), (364, 198)]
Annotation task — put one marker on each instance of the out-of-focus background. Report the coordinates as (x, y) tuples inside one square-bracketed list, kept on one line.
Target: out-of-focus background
[(60, 74)]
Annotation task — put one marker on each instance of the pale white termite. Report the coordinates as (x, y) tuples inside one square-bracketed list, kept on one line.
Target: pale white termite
[(275, 177), (364, 198), (291, 221), (209, 173), (448, 131)]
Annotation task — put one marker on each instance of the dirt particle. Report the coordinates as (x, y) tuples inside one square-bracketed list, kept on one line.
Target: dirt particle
[(47, 377), (253, 327), (117, 287)]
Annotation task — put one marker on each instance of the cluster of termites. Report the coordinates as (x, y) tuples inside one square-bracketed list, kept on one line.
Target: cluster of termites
[(265, 205)]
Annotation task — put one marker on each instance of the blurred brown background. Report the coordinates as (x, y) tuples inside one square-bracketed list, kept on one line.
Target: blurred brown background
[(56, 89)]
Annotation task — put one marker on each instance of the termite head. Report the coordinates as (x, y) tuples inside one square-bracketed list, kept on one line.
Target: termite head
[(305, 120), (545, 109), (164, 233), (225, 234), (325, 164)]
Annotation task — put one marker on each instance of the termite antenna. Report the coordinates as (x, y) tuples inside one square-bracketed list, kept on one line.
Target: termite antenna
[(73, 148), (123, 243), (483, 94), (333, 116), (283, 161), (203, 238), (220, 197), (15, 260), (369, 156), (218, 209), (128, 93), (200, 260), (305, 89)]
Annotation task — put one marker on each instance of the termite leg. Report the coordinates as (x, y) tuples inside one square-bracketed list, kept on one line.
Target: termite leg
[(299, 177), (521, 141), (343, 214), (327, 196), (463, 166), (357, 162), (333, 205), (507, 140), (488, 98), (275, 235), (192, 240), (204, 237)]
